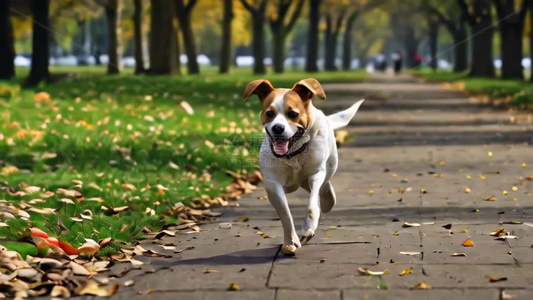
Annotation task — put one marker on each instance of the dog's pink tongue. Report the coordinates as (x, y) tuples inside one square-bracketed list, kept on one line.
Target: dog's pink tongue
[(281, 147)]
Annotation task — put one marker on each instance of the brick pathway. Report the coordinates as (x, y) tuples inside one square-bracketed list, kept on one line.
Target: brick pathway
[(408, 136)]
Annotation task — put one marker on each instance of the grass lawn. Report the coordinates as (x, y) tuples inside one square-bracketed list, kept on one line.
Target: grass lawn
[(520, 93), (98, 156)]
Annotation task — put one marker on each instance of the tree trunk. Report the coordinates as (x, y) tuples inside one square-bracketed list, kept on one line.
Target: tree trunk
[(347, 43), (411, 46), (138, 36), (531, 37), (312, 36), (7, 50), (113, 13), (162, 38), (225, 52), (258, 43), (482, 32), (330, 45), (460, 51), (184, 19), (278, 55), (40, 43), (433, 40), (511, 47)]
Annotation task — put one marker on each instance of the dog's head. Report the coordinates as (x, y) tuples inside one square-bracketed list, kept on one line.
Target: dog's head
[(286, 113)]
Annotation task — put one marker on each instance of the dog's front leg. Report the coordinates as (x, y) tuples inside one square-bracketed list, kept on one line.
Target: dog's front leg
[(310, 225), (277, 198)]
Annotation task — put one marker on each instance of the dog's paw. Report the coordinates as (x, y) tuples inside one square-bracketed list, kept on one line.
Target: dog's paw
[(308, 235), (288, 250)]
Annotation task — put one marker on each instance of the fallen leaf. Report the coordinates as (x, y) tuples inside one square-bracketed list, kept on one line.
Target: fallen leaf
[(411, 253), (406, 224), (491, 198), (242, 219), (467, 190), (423, 286), (423, 191), (207, 271), (500, 231), (496, 279), (68, 248), (234, 287), (406, 271), (459, 254), (187, 107), (94, 289), (129, 283), (468, 243), (367, 271), (89, 248)]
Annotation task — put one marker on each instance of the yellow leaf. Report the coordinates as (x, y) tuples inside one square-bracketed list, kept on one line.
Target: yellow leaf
[(406, 271), (491, 198), (499, 232), (423, 286), (467, 190), (367, 271), (423, 191), (207, 271), (468, 243), (234, 287)]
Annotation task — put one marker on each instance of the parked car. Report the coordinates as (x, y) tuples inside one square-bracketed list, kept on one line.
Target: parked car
[(21, 61), (129, 61)]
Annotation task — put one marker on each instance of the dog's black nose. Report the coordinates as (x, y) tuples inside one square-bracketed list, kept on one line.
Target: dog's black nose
[(278, 129)]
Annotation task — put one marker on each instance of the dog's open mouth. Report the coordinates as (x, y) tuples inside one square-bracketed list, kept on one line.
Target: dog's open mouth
[(281, 146)]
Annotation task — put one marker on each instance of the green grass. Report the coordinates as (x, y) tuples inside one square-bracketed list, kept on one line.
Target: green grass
[(520, 93), (101, 135)]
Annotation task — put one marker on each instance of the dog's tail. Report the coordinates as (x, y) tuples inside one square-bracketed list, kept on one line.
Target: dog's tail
[(342, 118)]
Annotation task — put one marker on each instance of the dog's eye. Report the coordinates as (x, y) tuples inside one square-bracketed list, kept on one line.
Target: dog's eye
[(292, 114), (269, 114)]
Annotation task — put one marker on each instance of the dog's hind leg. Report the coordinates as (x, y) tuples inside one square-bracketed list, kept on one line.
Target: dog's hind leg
[(277, 198), (327, 197)]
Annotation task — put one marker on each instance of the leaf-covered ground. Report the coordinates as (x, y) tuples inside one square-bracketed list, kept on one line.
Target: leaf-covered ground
[(92, 156)]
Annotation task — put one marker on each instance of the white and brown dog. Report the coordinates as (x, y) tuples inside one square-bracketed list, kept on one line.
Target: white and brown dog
[(299, 150)]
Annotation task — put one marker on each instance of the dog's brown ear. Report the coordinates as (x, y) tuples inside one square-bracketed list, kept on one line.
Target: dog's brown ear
[(260, 87), (307, 88)]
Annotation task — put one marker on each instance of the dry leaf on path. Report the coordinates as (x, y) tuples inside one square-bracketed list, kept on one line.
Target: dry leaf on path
[(459, 254), (406, 271), (407, 224), (234, 287), (207, 271), (423, 286), (411, 253), (367, 271), (496, 279), (94, 289), (468, 243)]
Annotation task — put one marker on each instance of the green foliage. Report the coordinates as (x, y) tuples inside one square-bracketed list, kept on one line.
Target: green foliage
[(520, 92)]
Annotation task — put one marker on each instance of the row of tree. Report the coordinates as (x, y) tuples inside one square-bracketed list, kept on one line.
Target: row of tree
[(479, 17), (170, 19)]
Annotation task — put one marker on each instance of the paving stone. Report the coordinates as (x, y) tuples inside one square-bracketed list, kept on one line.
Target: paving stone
[(200, 295), (396, 294), (284, 294)]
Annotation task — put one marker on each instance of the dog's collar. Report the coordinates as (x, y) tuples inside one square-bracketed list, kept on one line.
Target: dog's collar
[(297, 136)]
